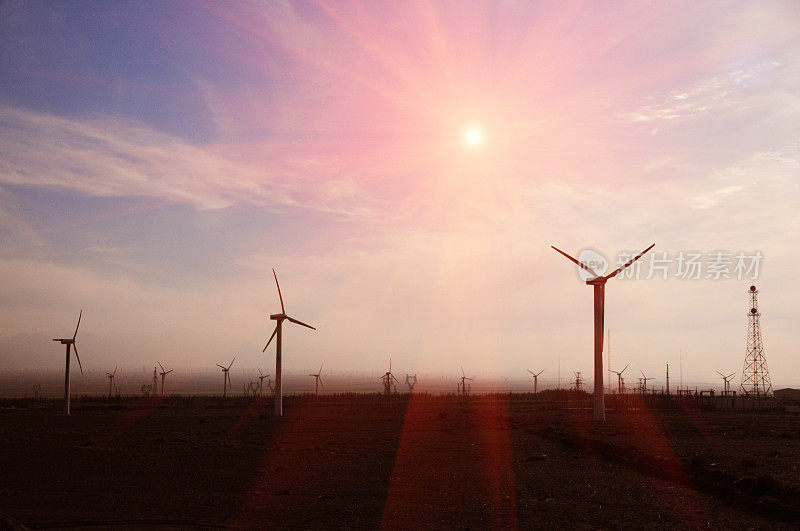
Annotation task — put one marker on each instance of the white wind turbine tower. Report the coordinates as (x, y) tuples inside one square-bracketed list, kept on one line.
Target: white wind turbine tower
[(225, 377), (644, 381), (261, 377), (727, 380), (620, 380), (279, 318), (535, 379), (463, 383), (164, 373), (70, 342), (598, 282), (388, 380), (111, 376), (318, 379)]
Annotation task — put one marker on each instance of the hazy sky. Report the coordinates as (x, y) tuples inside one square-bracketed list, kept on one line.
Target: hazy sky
[(404, 166)]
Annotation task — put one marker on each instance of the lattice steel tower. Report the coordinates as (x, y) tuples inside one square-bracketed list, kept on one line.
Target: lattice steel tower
[(755, 375)]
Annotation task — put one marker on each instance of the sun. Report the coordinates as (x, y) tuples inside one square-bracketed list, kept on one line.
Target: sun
[(473, 136)]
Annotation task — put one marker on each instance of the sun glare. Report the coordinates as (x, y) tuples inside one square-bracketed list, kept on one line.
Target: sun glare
[(473, 136)]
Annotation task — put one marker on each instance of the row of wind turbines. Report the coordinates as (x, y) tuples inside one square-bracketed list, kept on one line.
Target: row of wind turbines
[(277, 334), (597, 281)]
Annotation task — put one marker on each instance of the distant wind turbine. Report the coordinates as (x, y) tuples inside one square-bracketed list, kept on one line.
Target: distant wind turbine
[(727, 380), (226, 377), (279, 318), (599, 284), (463, 383), (644, 381), (261, 380), (318, 378), (164, 373), (111, 376), (388, 380), (535, 379), (70, 342), (620, 379)]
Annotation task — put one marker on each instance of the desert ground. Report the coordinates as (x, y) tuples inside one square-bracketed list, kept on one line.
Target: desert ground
[(353, 461)]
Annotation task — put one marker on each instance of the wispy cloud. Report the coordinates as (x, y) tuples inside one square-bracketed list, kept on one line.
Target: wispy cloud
[(736, 90), (104, 157), (715, 197)]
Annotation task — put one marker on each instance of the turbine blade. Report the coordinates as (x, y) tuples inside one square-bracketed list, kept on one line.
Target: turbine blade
[(720, 374), (169, 371), (259, 371), (641, 371), (75, 347), (623, 370), (162, 367), (115, 371), (530, 371), (731, 374), (320, 368), (579, 264), (320, 382), (632, 260), (234, 359), (462, 371), (79, 324), (283, 310), (220, 366), (270, 338), (295, 321)]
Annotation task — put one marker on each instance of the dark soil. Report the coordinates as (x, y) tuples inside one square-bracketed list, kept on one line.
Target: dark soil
[(351, 461)]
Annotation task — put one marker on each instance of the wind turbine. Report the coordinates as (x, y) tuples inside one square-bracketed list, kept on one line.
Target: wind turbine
[(387, 379), (411, 381), (535, 378), (111, 380), (464, 380), (163, 375), (279, 318), (318, 378), (727, 381), (70, 342), (261, 380), (599, 284), (644, 381), (225, 377), (620, 379)]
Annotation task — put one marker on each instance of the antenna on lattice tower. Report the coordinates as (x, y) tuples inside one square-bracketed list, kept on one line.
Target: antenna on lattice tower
[(578, 381), (755, 374)]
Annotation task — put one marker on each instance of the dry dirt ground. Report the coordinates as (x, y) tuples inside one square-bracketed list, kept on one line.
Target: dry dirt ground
[(351, 461)]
